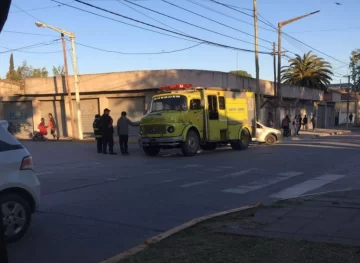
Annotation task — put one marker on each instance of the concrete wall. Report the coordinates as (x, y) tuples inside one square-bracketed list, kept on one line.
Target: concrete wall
[(9, 89), (144, 80)]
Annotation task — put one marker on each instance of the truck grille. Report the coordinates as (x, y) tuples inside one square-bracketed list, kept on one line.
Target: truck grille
[(155, 129)]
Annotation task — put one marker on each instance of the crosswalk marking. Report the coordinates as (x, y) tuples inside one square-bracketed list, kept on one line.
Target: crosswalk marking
[(261, 183), (309, 185), (198, 182), (240, 173)]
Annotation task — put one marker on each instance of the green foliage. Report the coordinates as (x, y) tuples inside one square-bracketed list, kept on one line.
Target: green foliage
[(241, 73), (308, 71), (12, 74), (58, 71), (355, 69), (25, 71)]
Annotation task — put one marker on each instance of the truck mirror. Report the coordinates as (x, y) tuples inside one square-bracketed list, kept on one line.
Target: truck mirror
[(202, 103)]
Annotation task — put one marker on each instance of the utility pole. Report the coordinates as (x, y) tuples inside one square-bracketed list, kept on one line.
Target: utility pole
[(275, 90), (77, 95), (257, 63), (68, 86), (76, 84), (280, 25), (347, 103)]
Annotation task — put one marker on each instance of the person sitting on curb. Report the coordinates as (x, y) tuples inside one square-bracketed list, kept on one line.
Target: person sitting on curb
[(123, 131)]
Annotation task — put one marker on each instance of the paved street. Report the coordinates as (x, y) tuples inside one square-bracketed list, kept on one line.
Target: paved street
[(95, 206)]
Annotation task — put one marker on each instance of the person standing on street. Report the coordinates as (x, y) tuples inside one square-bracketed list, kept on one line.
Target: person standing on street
[(285, 125), (98, 133), (351, 117), (52, 126), (305, 122), (107, 132), (297, 124), (123, 132), (313, 122)]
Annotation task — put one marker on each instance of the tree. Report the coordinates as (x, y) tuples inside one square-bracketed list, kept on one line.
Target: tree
[(26, 71), (308, 71), (58, 71), (241, 73), (12, 74), (355, 68)]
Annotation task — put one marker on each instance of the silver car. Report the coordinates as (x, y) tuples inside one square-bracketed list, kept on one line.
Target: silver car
[(266, 134)]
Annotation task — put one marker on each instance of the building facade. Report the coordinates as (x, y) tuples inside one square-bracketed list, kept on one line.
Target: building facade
[(132, 92)]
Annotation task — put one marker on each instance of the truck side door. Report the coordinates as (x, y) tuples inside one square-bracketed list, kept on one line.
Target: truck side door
[(213, 118), (196, 114)]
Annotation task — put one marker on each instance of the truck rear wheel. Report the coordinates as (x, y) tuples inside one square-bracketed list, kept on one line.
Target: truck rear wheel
[(151, 151), (244, 141), (191, 145)]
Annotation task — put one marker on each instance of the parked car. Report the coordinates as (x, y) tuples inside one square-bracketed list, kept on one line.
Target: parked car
[(19, 185), (266, 134)]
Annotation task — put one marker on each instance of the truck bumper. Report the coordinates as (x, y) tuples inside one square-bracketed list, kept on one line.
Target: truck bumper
[(161, 142)]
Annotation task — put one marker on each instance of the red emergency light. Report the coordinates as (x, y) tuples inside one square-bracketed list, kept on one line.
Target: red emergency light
[(177, 86)]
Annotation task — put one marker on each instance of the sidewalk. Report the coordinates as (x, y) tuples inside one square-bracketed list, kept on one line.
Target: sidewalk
[(322, 229), (133, 139), (324, 132)]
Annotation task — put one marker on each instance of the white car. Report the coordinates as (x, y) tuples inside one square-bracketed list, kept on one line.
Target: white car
[(19, 185), (266, 134)]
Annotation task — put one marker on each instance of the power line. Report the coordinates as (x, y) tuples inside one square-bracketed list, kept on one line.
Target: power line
[(325, 30), (177, 19), (109, 18), (148, 16), (39, 8), (226, 15), (22, 10), (215, 21), (34, 52), (144, 23), (31, 46), (27, 33), (228, 6), (273, 26), (151, 53)]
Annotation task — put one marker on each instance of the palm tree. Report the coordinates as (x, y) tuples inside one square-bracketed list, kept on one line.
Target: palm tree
[(308, 71)]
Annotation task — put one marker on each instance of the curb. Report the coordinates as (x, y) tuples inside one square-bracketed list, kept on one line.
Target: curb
[(170, 232), (78, 141), (331, 133)]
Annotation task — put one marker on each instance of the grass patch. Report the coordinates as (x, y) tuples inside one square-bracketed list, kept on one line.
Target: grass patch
[(200, 244)]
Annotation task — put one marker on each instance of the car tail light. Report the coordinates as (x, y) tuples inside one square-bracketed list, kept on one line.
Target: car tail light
[(27, 163)]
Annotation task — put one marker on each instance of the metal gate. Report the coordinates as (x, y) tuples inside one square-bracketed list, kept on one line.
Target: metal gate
[(89, 108), (330, 115), (320, 117), (57, 109), (134, 106), (19, 116)]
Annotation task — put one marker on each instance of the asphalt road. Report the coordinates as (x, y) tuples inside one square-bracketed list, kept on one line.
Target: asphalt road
[(95, 206)]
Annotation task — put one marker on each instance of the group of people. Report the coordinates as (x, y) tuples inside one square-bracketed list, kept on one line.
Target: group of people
[(298, 122), (51, 125), (104, 132)]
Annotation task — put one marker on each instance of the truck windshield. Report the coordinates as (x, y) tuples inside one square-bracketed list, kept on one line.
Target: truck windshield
[(169, 102)]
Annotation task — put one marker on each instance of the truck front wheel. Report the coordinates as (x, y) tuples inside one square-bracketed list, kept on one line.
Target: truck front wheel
[(151, 151), (191, 145)]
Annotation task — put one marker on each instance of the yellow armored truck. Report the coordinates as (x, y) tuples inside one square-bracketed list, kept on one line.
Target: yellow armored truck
[(193, 118)]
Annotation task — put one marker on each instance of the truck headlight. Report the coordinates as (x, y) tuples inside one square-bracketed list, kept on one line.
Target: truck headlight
[(170, 129)]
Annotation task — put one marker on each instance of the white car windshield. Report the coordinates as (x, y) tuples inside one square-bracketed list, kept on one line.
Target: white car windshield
[(169, 102)]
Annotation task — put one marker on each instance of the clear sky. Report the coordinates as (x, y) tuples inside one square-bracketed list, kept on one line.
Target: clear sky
[(334, 31)]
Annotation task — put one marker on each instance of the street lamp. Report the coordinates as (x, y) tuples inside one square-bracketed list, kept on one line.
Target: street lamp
[(280, 25), (76, 80)]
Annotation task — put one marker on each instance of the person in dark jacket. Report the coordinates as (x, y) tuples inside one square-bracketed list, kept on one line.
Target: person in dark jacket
[(107, 129), (98, 133), (123, 131)]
